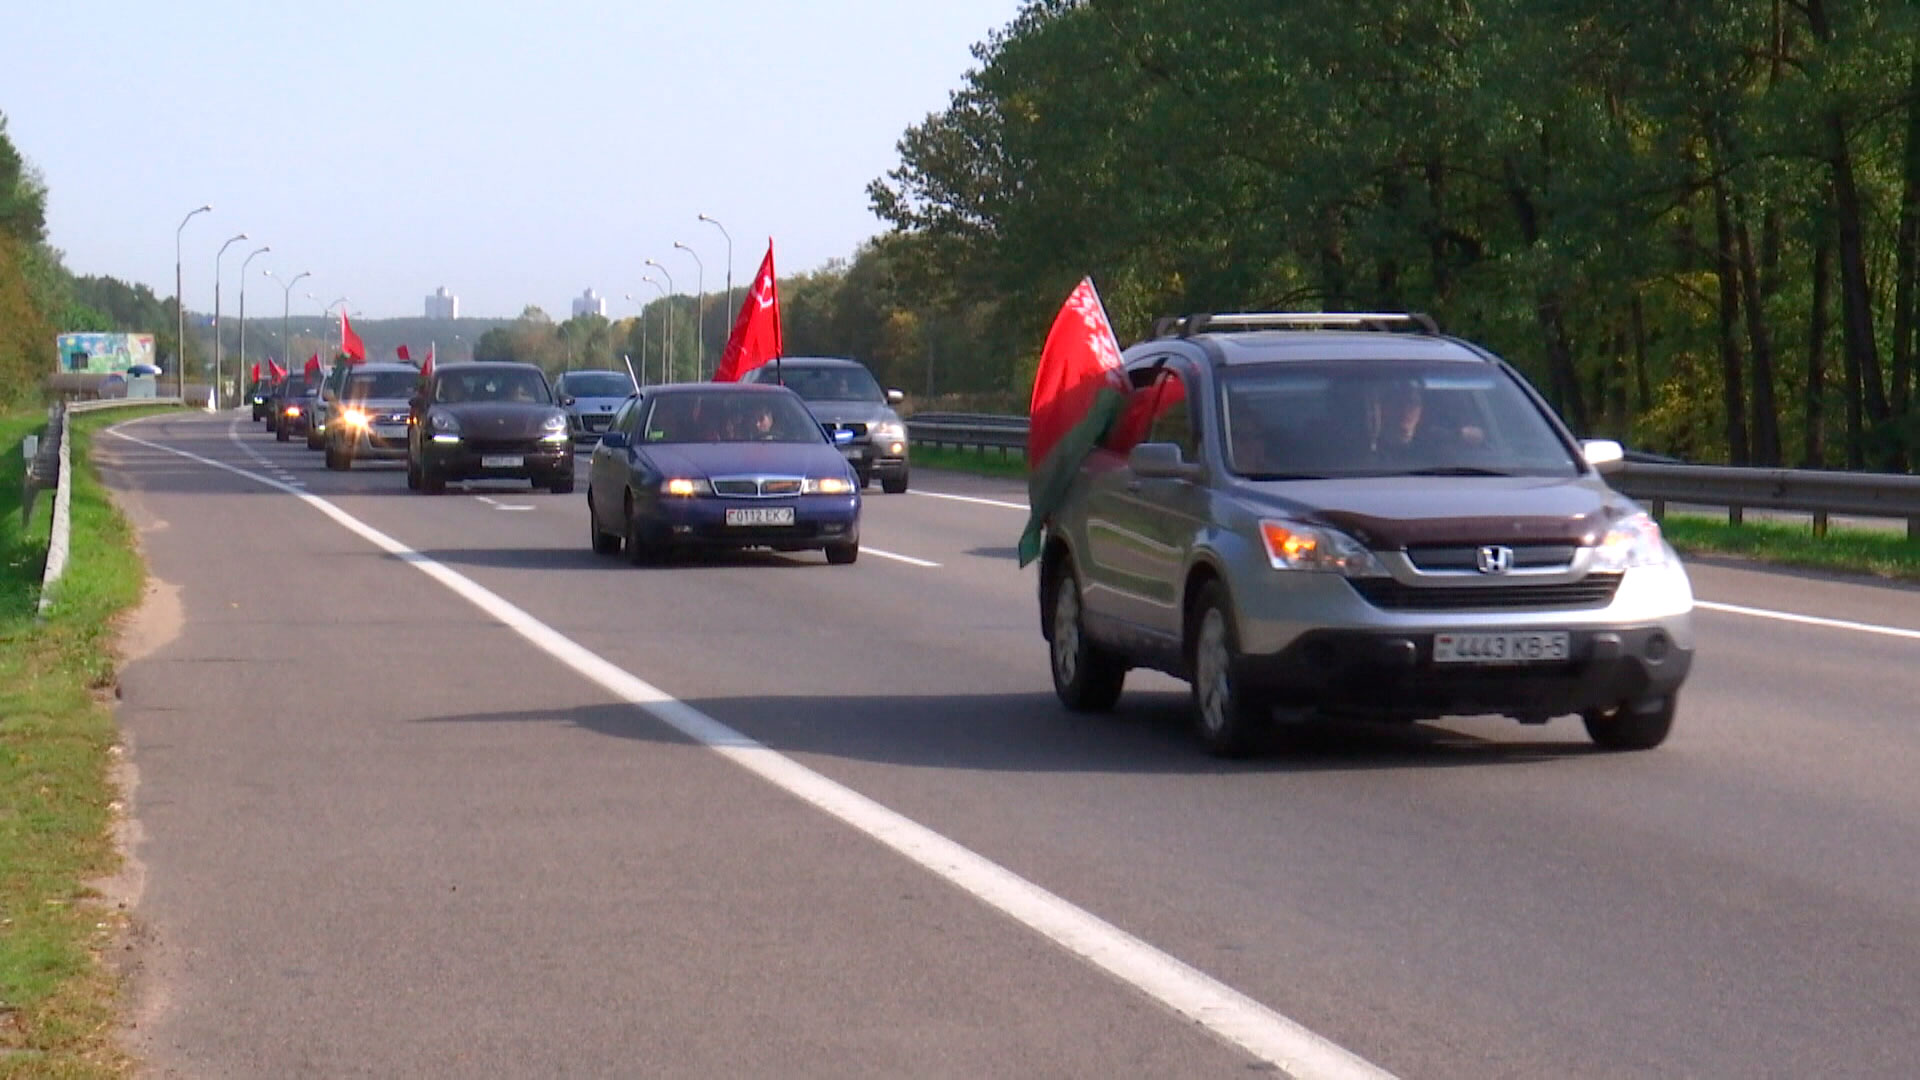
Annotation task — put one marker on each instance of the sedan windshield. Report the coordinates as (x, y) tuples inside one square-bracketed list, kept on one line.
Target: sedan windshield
[(493, 384), (380, 384), (825, 383), (1296, 421), (596, 384), (729, 416)]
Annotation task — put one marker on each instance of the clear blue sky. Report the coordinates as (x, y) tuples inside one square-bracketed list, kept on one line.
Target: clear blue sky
[(514, 152)]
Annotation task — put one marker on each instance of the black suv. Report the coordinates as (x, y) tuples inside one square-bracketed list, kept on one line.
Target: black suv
[(857, 415), (491, 421)]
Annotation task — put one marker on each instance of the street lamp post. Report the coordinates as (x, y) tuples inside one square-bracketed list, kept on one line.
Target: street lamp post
[(262, 250), (180, 310), (286, 313), (666, 348), (340, 331), (700, 314), (642, 305), (216, 311), (729, 236)]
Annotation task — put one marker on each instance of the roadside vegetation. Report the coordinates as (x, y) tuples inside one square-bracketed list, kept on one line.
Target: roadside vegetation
[(57, 800), (1882, 553)]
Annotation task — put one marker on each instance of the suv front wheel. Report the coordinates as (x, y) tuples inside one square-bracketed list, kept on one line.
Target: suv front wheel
[(1086, 677), (1228, 716)]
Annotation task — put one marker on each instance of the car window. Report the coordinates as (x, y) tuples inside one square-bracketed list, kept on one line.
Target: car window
[(727, 416), (492, 384), (380, 384), (1173, 421), (824, 383), (1154, 391), (596, 384), (623, 421), (1383, 418)]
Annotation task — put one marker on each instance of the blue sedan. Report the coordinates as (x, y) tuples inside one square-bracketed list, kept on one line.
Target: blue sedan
[(720, 465)]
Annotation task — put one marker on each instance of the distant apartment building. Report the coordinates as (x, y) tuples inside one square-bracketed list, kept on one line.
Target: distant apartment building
[(443, 305), (589, 303)]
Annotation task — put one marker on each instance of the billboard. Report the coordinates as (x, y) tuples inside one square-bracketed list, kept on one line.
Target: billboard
[(102, 354)]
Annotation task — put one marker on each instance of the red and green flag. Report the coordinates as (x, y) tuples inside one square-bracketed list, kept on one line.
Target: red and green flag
[(1078, 390)]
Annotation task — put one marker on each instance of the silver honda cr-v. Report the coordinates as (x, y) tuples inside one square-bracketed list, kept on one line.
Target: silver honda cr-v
[(1355, 515)]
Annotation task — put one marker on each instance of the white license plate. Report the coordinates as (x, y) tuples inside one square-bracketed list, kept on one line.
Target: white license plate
[(1503, 648), (501, 461), (389, 431), (760, 515)]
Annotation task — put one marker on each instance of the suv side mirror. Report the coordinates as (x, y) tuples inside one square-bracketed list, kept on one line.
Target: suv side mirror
[(566, 400), (895, 397), (1604, 455), (613, 440), (1163, 461)]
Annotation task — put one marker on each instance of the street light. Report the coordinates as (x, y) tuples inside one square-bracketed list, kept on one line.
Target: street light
[(180, 310), (286, 313), (669, 337), (216, 311), (723, 232), (262, 250), (328, 313), (666, 354), (700, 315), (642, 305)]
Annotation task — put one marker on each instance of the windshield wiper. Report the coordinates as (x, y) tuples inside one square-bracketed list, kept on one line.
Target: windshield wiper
[(1454, 470)]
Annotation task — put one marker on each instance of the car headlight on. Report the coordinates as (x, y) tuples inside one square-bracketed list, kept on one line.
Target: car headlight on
[(1292, 545), (826, 485), (890, 431), (1632, 541), (684, 486), (353, 418), (293, 410)]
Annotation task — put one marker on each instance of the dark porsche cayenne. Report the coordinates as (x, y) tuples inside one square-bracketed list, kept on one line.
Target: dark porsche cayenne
[(488, 421)]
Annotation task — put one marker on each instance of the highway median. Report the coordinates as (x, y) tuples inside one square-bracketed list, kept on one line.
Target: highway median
[(58, 803)]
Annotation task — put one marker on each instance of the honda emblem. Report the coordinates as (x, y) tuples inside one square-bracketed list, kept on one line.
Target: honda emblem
[(1494, 559)]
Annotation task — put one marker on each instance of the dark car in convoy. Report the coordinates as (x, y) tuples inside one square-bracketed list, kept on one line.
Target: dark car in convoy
[(488, 421), (290, 407), (590, 398), (848, 402), (1355, 515), (259, 395), (720, 465), (373, 414)]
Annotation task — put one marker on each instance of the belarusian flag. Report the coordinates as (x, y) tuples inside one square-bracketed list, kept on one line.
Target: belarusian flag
[(350, 344), (1078, 390)]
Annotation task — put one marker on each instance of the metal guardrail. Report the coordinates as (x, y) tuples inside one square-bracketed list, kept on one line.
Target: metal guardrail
[(60, 541), (1809, 491)]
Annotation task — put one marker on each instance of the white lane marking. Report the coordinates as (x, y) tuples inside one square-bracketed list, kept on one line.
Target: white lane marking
[(1809, 620), (1229, 1014), (484, 499), (969, 499), (908, 559)]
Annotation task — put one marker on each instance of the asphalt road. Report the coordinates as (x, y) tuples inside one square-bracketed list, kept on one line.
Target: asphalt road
[(386, 832)]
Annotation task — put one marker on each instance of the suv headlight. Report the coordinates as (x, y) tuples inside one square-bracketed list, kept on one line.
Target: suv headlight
[(556, 422), (826, 485), (890, 431), (1292, 545), (1632, 541), (444, 423), (353, 417)]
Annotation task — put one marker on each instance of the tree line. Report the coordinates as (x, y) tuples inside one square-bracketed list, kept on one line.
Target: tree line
[(1695, 224)]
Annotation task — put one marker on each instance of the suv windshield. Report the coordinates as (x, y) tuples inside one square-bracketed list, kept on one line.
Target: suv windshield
[(1385, 419), (725, 416), (596, 384), (380, 384), (493, 384), (826, 383)]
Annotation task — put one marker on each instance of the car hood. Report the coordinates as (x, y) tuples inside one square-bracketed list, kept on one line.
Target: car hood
[(500, 419), (1388, 513), (747, 459), (852, 412)]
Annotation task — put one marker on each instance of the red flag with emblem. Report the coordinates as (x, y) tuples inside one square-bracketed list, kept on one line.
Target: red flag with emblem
[(1078, 390), (756, 330), (350, 343)]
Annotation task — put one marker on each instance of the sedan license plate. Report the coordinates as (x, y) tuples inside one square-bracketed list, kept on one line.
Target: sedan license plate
[(1500, 648), (760, 515), (501, 461)]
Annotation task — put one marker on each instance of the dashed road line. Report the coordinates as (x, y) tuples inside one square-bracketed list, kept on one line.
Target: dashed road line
[(970, 499), (1227, 1013), (908, 559), (1808, 620)]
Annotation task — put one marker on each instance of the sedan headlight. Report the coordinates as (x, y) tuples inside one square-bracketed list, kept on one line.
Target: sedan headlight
[(1292, 545), (826, 485), (444, 422), (684, 486), (1632, 541)]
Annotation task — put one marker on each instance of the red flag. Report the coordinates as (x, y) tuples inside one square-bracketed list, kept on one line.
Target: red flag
[(426, 368), (312, 368), (350, 342), (756, 330), (276, 371), (402, 353), (256, 373), (1077, 392)]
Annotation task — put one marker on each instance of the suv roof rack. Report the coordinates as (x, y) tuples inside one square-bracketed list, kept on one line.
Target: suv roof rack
[(1382, 321)]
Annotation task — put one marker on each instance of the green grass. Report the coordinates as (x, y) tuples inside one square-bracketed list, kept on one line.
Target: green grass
[(982, 462), (1887, 554), (57, 1001)]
